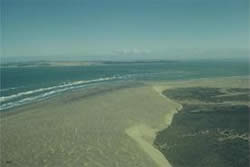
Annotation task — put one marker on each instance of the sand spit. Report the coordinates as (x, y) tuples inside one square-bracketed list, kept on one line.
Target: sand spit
[(114, 129), (144, 135), (140, 133)]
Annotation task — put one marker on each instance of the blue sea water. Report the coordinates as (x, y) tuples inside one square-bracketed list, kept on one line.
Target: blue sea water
[(23, 85)]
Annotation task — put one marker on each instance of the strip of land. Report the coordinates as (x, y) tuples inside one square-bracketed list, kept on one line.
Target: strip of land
[(116, 128)]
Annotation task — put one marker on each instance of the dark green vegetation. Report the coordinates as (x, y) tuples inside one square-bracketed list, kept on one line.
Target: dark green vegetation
[(208, 94), (242, 90), (207, 135)]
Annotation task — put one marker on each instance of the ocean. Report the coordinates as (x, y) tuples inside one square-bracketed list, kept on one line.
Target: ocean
[(24, 85)]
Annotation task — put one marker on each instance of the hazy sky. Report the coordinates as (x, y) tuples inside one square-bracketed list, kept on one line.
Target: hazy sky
[(122, 28)]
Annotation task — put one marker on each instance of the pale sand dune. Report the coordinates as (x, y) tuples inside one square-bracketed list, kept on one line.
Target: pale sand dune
[(139, 133), (145, 135), (107, 130)]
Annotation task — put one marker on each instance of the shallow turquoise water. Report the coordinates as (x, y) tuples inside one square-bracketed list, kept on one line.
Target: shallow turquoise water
[(27, 84)]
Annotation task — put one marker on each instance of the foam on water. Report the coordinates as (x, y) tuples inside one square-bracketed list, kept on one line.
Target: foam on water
[(24, 85), (44, 93)]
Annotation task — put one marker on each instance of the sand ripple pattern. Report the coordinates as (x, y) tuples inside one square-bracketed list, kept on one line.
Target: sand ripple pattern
[(114, 129)]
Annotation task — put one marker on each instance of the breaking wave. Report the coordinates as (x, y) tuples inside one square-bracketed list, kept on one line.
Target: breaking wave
[(43, 93)]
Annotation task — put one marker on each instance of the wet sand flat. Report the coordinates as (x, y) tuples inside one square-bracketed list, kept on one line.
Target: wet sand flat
[(111, 129)]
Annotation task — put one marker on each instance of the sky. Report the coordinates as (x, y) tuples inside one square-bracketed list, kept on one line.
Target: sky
[(124, 29)]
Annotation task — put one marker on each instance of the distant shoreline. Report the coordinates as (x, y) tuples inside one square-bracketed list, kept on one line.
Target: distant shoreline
[(27, 64), (66, 63), (48, 64)]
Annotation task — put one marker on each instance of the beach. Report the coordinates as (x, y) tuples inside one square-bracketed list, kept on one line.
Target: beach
[(110, 129), (115, 128)]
